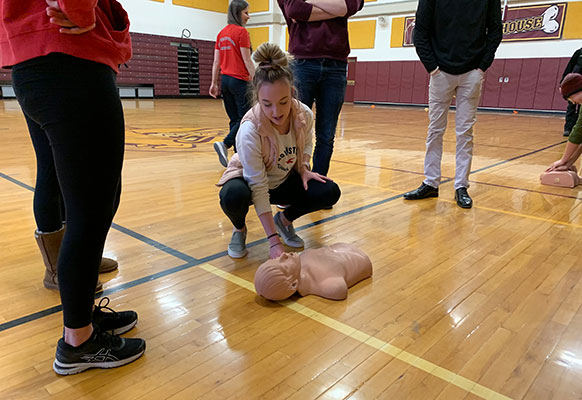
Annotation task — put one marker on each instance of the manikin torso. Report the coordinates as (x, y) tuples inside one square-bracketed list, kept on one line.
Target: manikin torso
[(327, 272)]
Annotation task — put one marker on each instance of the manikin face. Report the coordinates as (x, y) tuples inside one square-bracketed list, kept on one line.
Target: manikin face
[(576, 98), (278, 278), (275, 101), (290, 265), (244, 16)]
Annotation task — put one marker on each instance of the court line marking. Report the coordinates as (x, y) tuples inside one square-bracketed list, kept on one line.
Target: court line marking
[(191, 261), (369, 340), (494, 210), (402, 355), (471, 173)]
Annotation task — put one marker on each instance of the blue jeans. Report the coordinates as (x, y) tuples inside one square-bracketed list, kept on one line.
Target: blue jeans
[(322, 80), (236, 104)]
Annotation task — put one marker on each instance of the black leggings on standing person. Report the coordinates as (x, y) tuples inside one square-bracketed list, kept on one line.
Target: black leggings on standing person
[(75, 120), (236, 104), (236, 198)]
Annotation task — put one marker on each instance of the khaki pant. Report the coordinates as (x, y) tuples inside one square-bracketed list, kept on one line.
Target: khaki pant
[(443, 86)]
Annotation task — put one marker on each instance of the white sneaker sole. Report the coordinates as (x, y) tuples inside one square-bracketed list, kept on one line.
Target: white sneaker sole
[(234, 254), (71, 369)]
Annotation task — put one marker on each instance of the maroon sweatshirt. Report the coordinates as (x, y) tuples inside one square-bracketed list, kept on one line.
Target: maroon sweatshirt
[(318, 39)]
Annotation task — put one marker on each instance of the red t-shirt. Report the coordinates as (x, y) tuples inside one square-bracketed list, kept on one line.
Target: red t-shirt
[(229, 41)]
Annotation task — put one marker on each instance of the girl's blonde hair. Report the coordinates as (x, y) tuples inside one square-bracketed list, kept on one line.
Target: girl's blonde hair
[(273, 64)]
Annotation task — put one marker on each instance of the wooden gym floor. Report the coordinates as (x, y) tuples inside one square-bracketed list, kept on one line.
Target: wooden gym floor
[(463, 304)]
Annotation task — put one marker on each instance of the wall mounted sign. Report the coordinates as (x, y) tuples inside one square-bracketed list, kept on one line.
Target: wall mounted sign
[(534, 22)]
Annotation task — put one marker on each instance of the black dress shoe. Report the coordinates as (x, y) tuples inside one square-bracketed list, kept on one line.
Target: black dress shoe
[(424, 191), (463, 198)]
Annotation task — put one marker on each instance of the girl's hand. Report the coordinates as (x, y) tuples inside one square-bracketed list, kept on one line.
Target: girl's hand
[(276, 250), (59, 18), (214, 90), (558, 166), (307, 175)]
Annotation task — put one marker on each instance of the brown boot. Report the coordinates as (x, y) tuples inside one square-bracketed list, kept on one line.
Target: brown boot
[(50, 245), (107, 264)]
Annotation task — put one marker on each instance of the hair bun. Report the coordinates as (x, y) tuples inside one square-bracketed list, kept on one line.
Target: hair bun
[(269, 55)]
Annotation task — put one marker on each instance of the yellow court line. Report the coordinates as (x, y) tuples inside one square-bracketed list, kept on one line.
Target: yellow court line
[(495, 210), (402, 355)]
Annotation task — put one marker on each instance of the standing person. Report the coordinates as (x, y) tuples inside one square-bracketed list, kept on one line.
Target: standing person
[(318, 39), (232, 57), (272, 164), (456, 47), (64, 57), (574, 66), (571, 89)]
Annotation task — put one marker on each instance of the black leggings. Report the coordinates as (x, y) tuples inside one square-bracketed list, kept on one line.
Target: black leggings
[(236, 198), (75, 120)]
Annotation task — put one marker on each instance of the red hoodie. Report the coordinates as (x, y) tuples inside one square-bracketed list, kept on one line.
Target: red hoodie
[(26, 32)]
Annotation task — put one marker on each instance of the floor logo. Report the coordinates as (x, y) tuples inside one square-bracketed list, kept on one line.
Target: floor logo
[(172, 139)]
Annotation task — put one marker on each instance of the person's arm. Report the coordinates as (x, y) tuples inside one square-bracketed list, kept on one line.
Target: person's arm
[(246, 56), (60, 18), (308, 145), (571, 154), (422, 34), (215, 71), (573, 148), (80, 12), (494, 34), (275, 246), (317, 14), (304, 169), (297, 10), (338, 8), (248, 144)]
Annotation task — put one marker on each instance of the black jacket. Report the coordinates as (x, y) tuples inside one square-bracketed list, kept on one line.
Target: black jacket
[(457, 35), (575, 64)]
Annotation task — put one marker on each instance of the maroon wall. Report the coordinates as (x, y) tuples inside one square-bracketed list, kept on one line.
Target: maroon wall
[(526, 84), (155, 62)]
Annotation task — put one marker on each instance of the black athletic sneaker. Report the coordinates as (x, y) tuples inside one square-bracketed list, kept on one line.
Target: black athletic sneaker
[(113, 322), (102, 350)]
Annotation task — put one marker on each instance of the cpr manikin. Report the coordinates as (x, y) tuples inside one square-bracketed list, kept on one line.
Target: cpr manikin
[(327, 272)]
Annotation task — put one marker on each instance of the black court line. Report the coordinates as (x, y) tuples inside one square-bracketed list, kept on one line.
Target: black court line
[(472, 172), (154, 243), (16, 182), (192, 262), (517, 157), (527, 190)]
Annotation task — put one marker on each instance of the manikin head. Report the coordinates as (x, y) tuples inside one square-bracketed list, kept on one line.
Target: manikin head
[(272, 83), (277, 279), (571, 88)]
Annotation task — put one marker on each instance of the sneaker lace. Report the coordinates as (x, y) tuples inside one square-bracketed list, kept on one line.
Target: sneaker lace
[(106, 337), (103, 305), (100, 307)]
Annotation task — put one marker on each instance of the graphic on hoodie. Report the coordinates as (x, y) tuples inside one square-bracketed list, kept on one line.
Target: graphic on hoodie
[(287, 158)]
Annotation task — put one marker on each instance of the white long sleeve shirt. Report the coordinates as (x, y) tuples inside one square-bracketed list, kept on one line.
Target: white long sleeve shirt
[(260, 180)]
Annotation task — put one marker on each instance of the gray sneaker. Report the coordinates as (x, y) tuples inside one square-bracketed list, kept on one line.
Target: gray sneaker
[(222, 152), (237, 247), (287, 233)]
